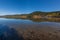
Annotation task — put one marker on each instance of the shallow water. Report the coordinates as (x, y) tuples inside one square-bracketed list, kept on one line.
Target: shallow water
[(11, 28), (27, 23)]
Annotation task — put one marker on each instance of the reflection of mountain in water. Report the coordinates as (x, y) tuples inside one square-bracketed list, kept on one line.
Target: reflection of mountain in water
[(45, 19), (7, 33), (40, 19)]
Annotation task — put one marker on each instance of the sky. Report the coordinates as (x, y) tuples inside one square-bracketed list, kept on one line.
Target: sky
[(11, 7)]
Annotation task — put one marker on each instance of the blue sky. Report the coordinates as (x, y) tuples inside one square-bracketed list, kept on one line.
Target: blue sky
[(8, 7)]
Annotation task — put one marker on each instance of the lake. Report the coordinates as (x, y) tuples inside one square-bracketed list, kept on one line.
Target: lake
[(26, 25)]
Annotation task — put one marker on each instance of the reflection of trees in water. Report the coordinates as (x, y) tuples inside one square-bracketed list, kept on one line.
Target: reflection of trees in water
[(41, 19), (44, 20), (54, 19), (7, 33), (38, 20)]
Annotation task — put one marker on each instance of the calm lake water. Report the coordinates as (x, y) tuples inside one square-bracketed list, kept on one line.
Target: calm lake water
[(24, 23), (27, 23), (9, 27)]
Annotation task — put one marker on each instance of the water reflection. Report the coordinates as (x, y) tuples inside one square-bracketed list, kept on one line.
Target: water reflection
[(30, 28), (44, 20), (7, 33), (33, 20)]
